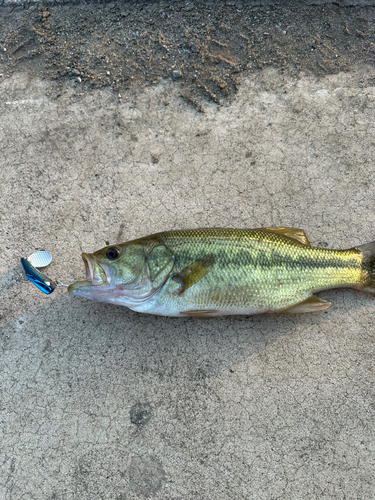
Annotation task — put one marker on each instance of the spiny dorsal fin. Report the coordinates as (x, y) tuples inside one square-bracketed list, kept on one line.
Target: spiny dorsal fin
[(193, 272), (291, 232), (312, 304)]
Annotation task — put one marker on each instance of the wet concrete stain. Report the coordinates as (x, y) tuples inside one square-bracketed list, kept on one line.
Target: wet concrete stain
[(146, 475), (140, 414)]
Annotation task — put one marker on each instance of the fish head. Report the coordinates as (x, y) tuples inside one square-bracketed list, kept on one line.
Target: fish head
[(125, 274)]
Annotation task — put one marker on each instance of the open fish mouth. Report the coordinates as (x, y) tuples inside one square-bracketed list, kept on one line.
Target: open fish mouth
[(95, 274)]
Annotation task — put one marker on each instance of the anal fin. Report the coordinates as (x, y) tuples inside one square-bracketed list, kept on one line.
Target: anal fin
[(312, 304)]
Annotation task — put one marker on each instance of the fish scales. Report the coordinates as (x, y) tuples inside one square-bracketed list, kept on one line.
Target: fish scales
[(258, 269), (210, 272)]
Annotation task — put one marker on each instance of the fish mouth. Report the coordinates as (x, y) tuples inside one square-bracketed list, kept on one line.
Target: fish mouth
[(95, 274)]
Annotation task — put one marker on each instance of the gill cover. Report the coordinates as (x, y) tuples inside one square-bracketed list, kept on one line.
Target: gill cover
[(159, 262)]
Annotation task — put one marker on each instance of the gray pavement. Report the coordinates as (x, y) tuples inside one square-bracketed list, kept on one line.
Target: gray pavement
[(98, 402)]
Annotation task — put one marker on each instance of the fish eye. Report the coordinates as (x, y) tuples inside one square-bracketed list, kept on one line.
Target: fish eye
[(112, 253)]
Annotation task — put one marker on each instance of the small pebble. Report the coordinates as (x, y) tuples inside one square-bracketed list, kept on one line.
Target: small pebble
[(176, 73), (74, 72), (79, 80)]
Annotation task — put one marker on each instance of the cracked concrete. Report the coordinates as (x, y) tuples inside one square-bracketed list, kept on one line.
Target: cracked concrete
[(98, 402)]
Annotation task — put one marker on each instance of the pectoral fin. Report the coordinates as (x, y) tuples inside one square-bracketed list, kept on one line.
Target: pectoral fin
[(193, 273), (312, 304), (291, 232)]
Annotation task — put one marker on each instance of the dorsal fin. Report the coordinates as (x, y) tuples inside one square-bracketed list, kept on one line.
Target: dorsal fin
[(291, 232)]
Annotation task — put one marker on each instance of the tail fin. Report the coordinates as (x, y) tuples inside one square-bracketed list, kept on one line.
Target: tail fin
[(368, 252)]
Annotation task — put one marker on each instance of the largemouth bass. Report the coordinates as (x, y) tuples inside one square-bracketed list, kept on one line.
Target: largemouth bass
[(215, 272)]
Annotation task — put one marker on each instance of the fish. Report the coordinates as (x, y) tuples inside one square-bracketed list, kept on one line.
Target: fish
[(217, 272), (41, 281)]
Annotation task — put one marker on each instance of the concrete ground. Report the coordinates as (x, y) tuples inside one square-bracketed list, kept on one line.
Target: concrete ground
[(99, 402)]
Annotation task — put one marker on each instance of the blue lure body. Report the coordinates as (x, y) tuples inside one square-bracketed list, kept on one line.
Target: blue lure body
[(44, 284)]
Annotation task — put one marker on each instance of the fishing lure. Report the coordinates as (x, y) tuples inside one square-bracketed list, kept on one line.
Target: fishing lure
[(45, 284)]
